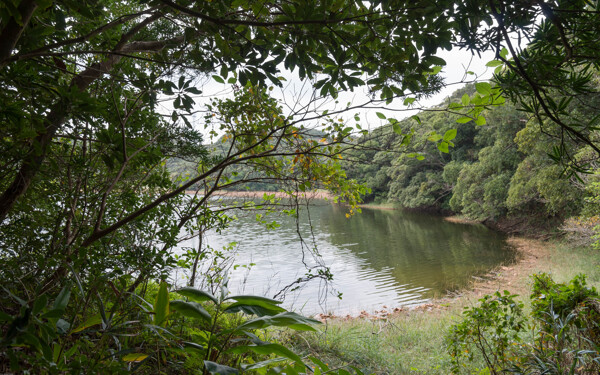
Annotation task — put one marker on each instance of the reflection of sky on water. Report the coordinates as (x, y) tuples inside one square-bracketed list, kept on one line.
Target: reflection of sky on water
[(377, 258)]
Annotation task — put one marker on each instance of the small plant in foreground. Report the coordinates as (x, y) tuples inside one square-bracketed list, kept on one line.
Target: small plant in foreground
[(492, 329)]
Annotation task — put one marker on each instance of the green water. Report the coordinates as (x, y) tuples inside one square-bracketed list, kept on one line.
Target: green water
[(379, 257)]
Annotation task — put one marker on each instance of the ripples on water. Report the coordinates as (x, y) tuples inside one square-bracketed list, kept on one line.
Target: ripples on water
[(379, 257)]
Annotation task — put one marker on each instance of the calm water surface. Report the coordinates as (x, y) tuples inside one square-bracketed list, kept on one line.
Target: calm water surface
[(379, 257)]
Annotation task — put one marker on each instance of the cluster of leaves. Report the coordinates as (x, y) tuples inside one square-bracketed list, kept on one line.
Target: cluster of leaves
[(490, 329), (564, 324), (110, 210), (554, 77), (589, 217), (84, 132), (201, 334)]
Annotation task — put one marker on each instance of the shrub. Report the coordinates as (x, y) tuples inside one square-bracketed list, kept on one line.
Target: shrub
[(565, 319)]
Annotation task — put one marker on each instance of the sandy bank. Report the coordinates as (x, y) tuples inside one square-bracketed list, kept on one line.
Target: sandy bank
[(259, 194), (460, 220), (379, 206)]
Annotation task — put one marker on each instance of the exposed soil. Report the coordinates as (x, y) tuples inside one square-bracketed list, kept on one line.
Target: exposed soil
[(378, 206), (532, 254), (460, 220), (260, 194)]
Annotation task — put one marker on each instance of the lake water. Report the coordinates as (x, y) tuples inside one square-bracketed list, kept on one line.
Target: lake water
[(378, 258)]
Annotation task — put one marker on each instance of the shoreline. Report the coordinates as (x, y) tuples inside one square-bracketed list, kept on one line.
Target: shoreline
[(379, 207), (260, 193), (531, 254)]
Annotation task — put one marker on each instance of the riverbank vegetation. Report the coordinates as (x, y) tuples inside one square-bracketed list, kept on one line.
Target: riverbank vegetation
[(98, 98), (418, 340)]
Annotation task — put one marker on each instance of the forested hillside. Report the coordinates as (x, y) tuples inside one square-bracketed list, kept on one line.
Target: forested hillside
[(496, 169)]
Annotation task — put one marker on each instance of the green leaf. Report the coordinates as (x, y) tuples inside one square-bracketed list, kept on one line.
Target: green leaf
[(319, 363), (437, 60), (193, 90), (477, 99), (285, 319), (135, 357), (436, 70), (397, 129), (499, 99), (493, 63), (257, 365), (62, 326), (464, 120), (224, 71), (61, 301), (416, 118), (256, 300), (484, 88), (443, 147), (193, 345), (196, 294), (218, 79), (465, 99), (266, 349), (450, 134), (92, 321), (190, 310), (253, 309), (480, 120), (215, 368), (39, 304), (409, 101), (161, 305), (380, 115)]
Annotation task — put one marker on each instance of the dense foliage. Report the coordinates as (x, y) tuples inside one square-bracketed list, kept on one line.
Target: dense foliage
[(494, 170), (96, 96)]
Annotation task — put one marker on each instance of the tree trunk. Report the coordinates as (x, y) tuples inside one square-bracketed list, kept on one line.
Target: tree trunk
[(12, 32)]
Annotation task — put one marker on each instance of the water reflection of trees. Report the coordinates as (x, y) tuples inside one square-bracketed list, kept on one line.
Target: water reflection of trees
[(417, 249)]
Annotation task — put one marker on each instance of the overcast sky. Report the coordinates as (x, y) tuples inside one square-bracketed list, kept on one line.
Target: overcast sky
[(296, 92)]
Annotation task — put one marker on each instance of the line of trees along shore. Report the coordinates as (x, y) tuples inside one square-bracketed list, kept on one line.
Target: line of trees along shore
[(494, 171)]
